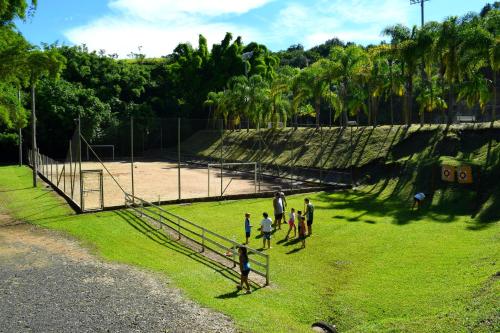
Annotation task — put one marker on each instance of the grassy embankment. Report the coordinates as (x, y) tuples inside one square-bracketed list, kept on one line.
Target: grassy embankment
[(409, 155), (371, 266)]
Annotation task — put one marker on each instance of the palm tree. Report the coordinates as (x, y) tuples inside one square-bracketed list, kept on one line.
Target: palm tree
[(449, 41), (405, 51), (348, 71)]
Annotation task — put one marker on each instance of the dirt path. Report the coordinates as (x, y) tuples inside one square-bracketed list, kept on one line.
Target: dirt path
[(50, 284)]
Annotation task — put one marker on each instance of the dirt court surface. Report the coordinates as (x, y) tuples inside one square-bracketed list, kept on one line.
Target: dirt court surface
[(155, 181), (50, 284)]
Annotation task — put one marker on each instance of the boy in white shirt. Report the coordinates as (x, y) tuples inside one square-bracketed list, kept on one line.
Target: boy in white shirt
[(266, 227)]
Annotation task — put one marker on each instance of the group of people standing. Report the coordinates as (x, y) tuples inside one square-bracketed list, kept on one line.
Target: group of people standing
[(300, 222)]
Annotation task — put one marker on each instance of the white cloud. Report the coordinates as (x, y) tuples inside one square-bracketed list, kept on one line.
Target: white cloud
[(124, 36), (160, 9), (355, 20), (158, 26)]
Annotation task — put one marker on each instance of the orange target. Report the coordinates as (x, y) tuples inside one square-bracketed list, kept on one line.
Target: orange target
[(448, 173), (464, 174)]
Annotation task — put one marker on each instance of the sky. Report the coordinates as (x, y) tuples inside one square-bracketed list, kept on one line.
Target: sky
[(156, 27)]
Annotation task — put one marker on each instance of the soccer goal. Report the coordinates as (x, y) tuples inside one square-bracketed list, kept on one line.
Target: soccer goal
[(233, 171), (104, 151)]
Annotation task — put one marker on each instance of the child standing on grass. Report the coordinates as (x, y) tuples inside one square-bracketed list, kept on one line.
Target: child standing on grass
[(302, 231), (244, 269), (248, 227), (291, 224), (266, 226)]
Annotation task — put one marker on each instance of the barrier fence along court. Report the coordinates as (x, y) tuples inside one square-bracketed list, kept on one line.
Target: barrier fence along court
[(203, 237)]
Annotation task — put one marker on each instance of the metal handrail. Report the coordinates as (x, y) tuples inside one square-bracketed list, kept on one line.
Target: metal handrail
[(161, 216)]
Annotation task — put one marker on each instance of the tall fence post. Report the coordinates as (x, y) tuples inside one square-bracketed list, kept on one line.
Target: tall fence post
[(132, 156), (80, 161), (20, 147), (71, 183), (221, 151), (33, 134), (208, 172), (179, 157)]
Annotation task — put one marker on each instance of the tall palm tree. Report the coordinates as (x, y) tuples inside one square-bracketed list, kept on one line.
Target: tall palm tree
[(348, 71), (449, 41)]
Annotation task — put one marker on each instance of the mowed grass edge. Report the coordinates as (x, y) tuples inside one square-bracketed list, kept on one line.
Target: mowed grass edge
[(370, 265)]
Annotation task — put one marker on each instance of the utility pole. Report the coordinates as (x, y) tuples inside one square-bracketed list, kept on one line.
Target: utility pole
[(421, 2)]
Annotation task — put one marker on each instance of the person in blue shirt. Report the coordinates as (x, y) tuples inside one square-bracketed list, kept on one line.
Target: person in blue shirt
[(248, 227), (244, 269)]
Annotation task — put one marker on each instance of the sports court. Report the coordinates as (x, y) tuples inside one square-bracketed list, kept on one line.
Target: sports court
[(157, 181)]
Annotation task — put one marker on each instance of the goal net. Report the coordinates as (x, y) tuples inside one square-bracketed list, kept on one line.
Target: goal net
[(105, 152), (229, 178)]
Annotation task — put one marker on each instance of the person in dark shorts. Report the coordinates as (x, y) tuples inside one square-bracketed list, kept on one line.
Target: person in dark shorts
[(309, 214), (248, 227), (266, 226), (244, 269), (278, 210), (281, 194)]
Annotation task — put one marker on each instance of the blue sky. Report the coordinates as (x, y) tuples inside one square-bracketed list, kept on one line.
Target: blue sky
[(157, 26)]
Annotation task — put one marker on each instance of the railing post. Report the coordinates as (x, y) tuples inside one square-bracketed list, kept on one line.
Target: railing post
[(234, 255), (267, 269), (179, 228), (203, 240), (64, 177), (51, 171)]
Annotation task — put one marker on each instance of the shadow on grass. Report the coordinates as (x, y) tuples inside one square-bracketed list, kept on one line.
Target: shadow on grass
[(17, 189), (162, 239)]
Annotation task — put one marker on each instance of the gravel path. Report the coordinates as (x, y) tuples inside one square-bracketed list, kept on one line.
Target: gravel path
[(50, 284)]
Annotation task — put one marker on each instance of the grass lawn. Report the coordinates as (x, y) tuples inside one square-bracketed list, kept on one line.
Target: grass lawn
[(370, 266)]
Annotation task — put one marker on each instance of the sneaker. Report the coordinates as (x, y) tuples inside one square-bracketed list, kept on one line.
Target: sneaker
[(239, 287), (248, 292)]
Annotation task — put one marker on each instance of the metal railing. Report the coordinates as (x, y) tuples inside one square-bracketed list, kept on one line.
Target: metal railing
[(202, 236)]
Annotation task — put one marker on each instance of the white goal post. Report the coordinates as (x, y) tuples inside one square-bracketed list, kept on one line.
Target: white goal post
[(221, 167), (101, 146)]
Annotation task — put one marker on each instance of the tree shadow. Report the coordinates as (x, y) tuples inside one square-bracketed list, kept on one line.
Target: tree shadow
[(162, 239)]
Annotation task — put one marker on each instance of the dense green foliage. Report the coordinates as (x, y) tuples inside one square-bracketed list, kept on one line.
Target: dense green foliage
[(433, 72), (372, 265)]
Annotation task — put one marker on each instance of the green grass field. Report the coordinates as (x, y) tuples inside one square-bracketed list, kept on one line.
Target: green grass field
[(371, 265)]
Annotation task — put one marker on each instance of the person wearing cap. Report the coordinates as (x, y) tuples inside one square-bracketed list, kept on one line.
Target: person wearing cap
[(417, 200)]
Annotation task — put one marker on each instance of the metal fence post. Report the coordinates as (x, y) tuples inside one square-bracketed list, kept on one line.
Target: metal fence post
[(51, 171), (179, 157), (80, 161), (71, 182), (132, 155), (221, 151)]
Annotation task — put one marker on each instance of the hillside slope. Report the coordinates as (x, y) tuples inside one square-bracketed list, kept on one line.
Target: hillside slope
[(406, 158)]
